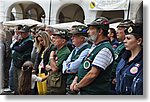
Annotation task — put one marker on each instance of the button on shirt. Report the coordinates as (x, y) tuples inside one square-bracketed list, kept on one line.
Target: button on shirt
[(72, 67)]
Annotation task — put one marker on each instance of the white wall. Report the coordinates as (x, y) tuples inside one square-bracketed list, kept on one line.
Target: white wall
[(57, 4), (2, 10)]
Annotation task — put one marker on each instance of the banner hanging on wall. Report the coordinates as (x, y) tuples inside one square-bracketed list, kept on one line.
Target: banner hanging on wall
[(108, 4)]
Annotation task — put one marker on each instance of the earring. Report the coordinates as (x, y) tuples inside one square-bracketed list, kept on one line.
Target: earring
[(138, 43)]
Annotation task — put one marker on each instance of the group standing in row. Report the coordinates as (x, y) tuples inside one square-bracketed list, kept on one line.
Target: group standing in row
[(85, 60)]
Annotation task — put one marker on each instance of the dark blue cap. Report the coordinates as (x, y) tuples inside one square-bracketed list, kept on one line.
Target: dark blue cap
[(136, 29)]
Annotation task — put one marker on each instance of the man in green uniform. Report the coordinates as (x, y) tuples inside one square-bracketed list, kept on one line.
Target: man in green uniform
[(57, 81), (70, 66), (94, 73)]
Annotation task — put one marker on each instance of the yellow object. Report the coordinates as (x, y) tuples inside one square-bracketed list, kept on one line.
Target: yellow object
[(42, 89), (92, 4)]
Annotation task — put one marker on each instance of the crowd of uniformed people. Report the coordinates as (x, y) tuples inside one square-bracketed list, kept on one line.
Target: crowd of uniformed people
[(90, 59)]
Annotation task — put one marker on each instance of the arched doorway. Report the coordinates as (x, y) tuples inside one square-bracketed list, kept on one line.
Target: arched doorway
[(111, 14), (36, 12), (139, 14), (14, 12), (26, 10), (69, 13)]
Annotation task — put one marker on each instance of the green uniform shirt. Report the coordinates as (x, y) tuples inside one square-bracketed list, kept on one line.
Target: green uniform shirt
[(56, 82), (101, 85), (118, 52), (70, 77), (62, 55)]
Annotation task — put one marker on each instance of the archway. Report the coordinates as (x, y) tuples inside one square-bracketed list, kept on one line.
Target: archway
[(69, 13), (139, 14), (14, 12), (25, 10), (35, 11)]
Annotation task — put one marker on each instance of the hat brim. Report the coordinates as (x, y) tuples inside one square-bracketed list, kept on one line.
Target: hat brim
[(78, 34), (81, 34), (64, 37), (92, 24), (21, 31), (121, 26), (55, 34), (134, 34)]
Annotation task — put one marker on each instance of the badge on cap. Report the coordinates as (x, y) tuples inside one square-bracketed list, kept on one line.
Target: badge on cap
[(134, 70), (80, 29), (86, 65), (130, 29)]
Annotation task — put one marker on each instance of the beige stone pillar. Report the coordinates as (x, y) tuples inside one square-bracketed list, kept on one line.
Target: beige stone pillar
[(1, 10)]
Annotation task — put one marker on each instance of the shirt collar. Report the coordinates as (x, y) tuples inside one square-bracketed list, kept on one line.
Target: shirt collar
[(127, 54), (101, 42), (77, 48)]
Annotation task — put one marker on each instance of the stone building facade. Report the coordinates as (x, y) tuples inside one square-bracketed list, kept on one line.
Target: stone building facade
[(58, 11)]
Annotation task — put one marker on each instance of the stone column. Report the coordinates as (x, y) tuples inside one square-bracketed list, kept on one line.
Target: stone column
[(1, 20), (2, 10)]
